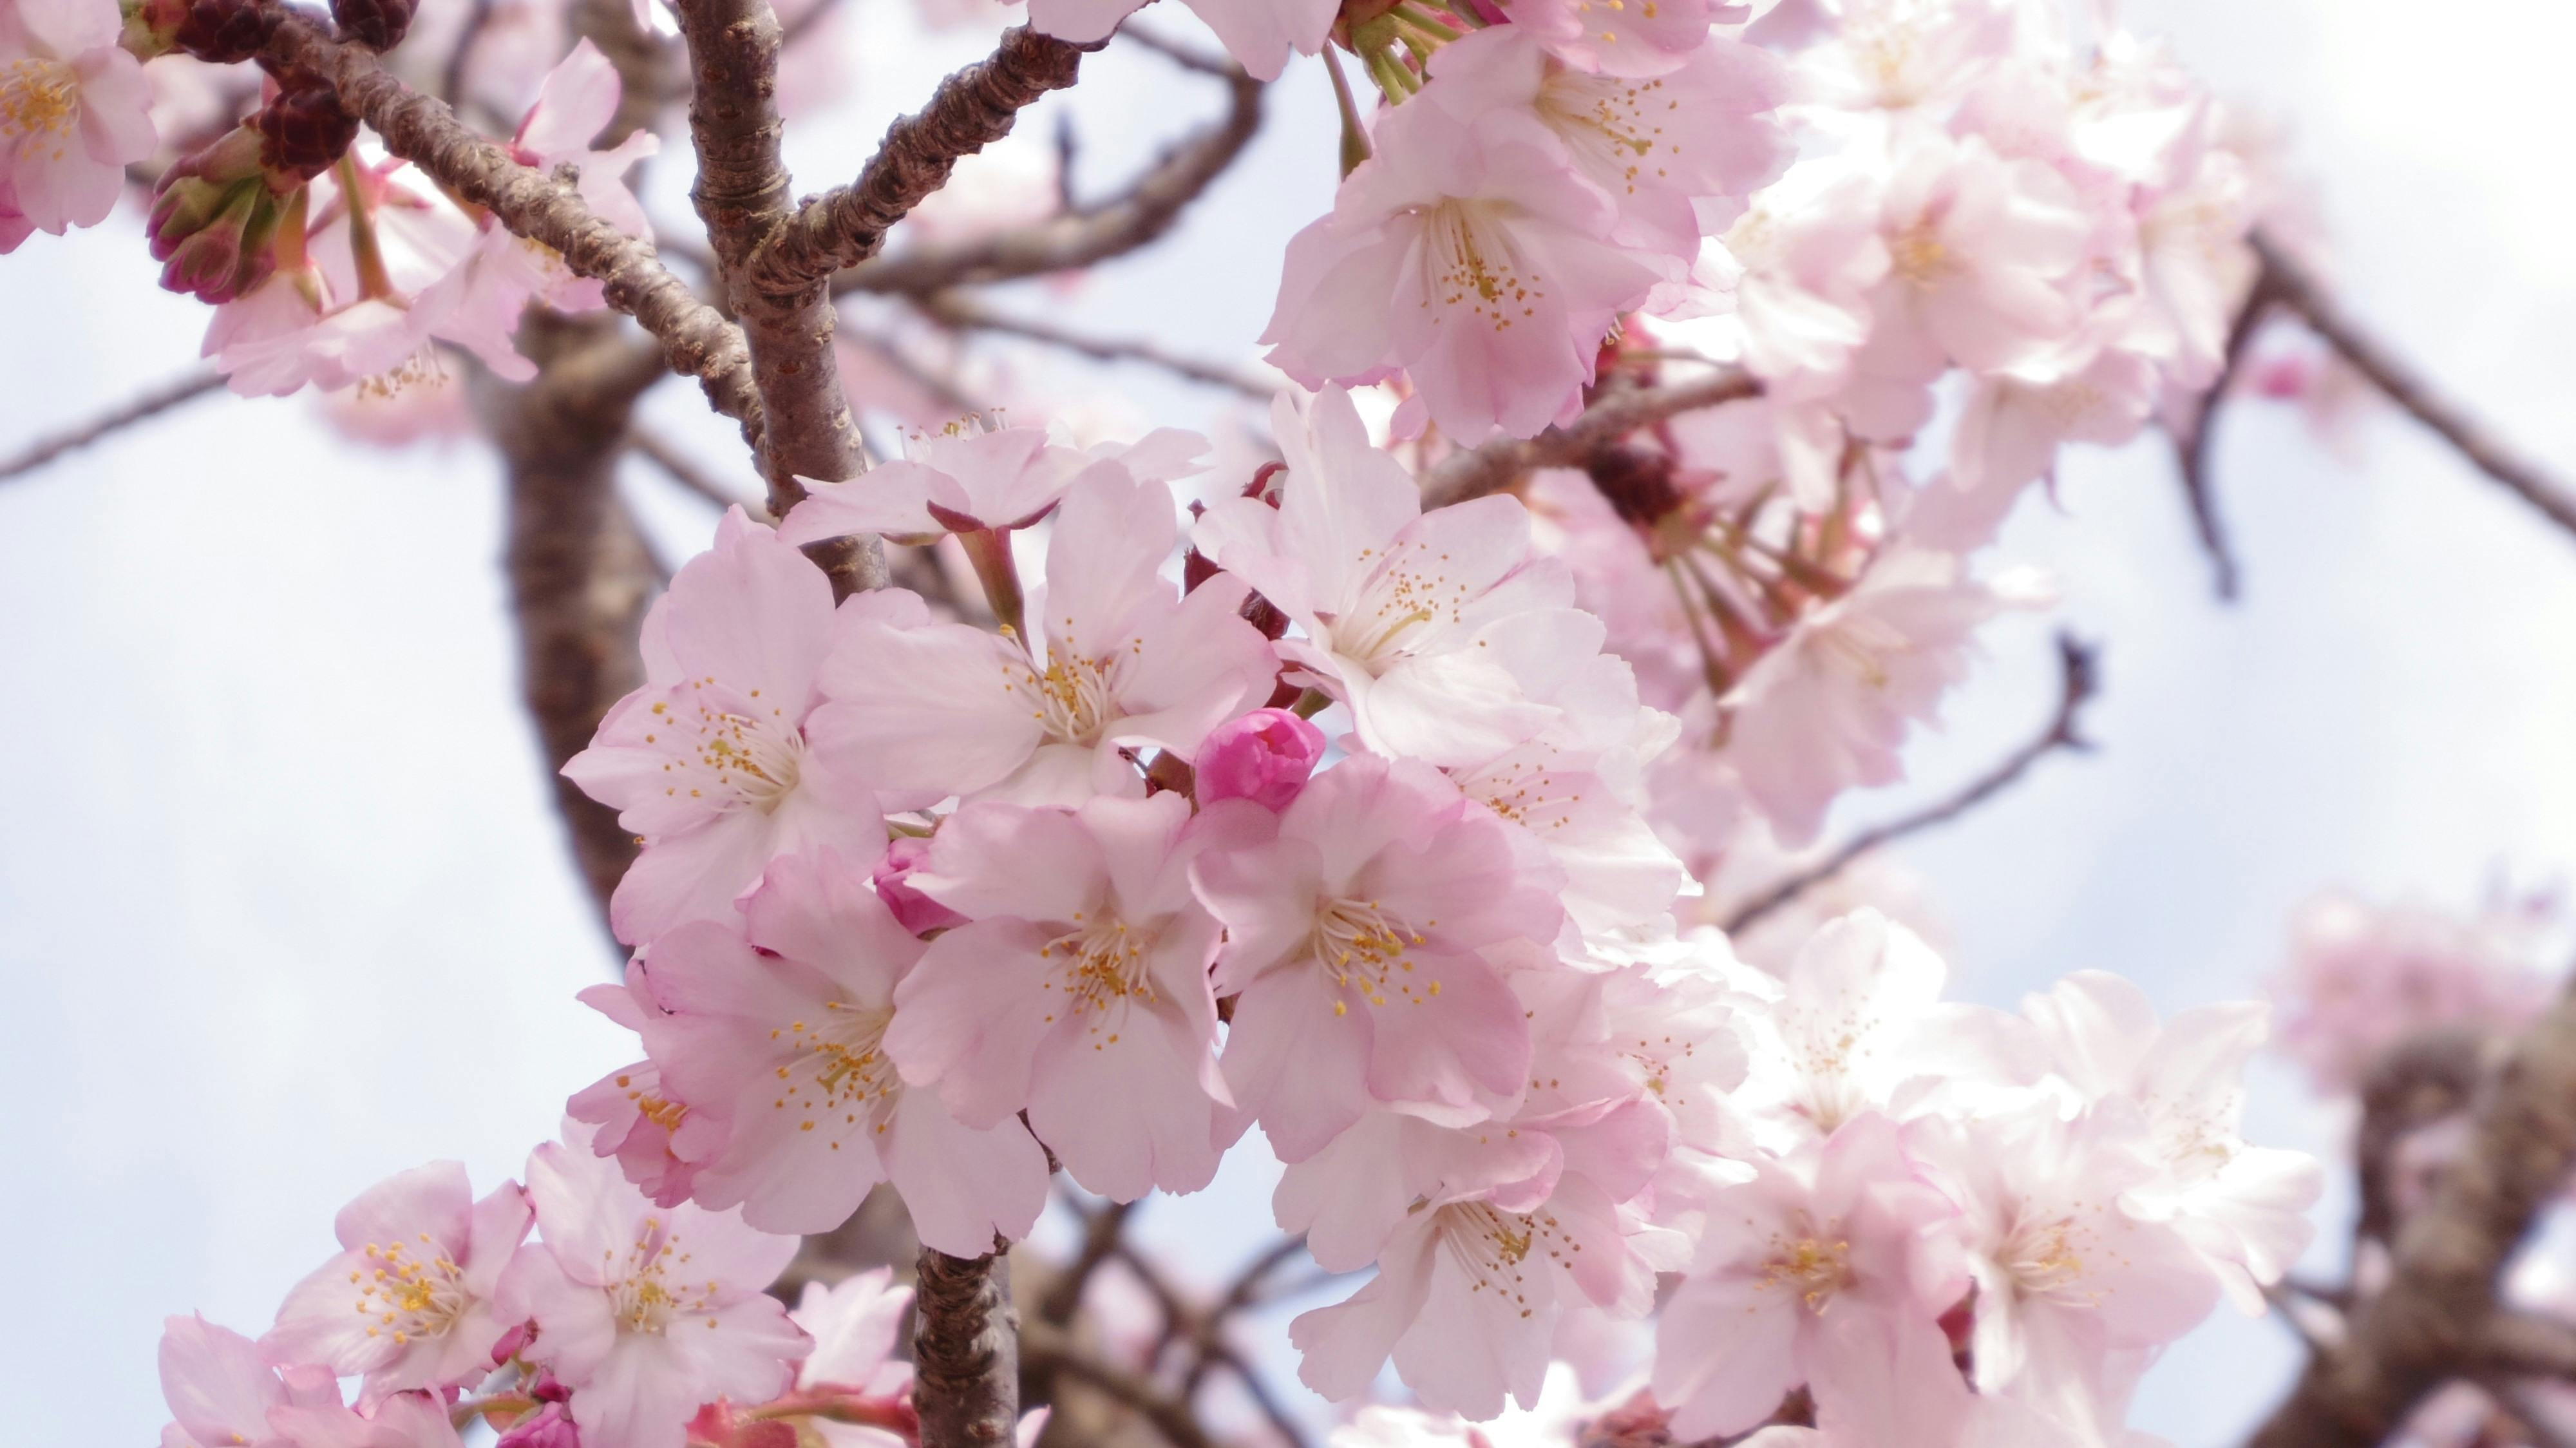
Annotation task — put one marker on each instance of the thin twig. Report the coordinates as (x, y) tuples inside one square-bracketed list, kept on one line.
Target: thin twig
[(1187, 57), (1133, 218), (2192, 443), (1099, 1242), (2078, 682), (953, 310), (2397, 380), (1473, 472), (680, 468), (451, 79), (1045, 1346), (149, 405)]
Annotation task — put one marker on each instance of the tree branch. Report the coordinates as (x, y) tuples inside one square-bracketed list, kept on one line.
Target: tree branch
[(2192, 444), (2077, 685), (1474, 472), (743, 195), (695, 339), (149, 405), (1134, 218), (680, 468), (1170, 1416), (971, 110), (2428, 1326), (2296, 289), (965, 1344), (953, 310)]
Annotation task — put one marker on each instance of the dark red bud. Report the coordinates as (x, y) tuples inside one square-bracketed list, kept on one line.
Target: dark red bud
[(304, 129), (375, 24), (223, 32)]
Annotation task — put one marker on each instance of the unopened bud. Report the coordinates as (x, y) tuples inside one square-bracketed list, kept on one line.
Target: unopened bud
[(1266, 757), (213, 219), (375, 24), (912, 910), (304, 127)]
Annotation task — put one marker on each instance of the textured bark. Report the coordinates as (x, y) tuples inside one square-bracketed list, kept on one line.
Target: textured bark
[(965, 1347), (695, 339), (742, 194), (580, 576), (971, 110), (1134, 218), (2437, 1317)]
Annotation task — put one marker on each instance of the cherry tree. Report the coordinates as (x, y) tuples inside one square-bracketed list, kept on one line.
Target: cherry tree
[(1426, 789)]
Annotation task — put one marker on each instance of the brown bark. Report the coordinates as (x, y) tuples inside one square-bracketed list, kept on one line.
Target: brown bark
[(1474, 472), (966, 1380), (2439, 1313), (971, 110)]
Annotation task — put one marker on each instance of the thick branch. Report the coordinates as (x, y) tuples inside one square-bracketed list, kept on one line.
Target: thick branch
[(956, 311), (2076, 686), (80, 435), (965, 1345), (580, 576), (2439, 1308), (742, 194), (2296, 289), (1132, 219), (1474, 472), (695, 338), (971, 110)]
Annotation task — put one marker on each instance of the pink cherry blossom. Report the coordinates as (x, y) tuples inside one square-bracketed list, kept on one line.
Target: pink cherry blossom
[(1826, 709), (221, 1391), (1259, 34), (2243, 1207), (1842, 1228), (1265, 756), (1469, 1286), (1078, 994), (1811, 252), (2361, 977), (2066, 1277), (782, 1032), (75, 110), (1398, 608), (658, 1139), (971, 478), (1353, 939), (1471, 255), (930, 710), (408, 1301), (854, 1324), (404, 1420), (1676, 153), (645, 1312), (1649, 40), (707, 762), (577, 100)]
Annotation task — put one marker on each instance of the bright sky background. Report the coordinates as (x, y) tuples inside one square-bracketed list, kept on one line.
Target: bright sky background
[(284, 908)]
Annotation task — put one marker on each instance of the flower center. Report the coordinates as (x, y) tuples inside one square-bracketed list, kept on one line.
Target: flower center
[(1917, 255), (1603, 120), (2045, 1259), (1815, 1267), (745, 748), (1489, 1246), (38, 97), (1100, 965), (643, 1298), (404, 1295), (844, 1067), (1408, 590), (1362, 947), (1470, 261), (1073, 697), (1862, 647)]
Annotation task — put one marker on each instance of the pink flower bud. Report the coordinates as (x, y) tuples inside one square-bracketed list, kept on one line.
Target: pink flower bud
[(1265, 757), (915, 911)]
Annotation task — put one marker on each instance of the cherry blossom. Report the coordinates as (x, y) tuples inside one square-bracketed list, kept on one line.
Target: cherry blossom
[(1259, 34), (75, 110), (2360, 977), (929, 710), (222, 1392), (854, 1324), (1353, 938), (657, 1138), (645, 1312), (408, 1301), (1079, 992), (1473, 256), (1842, 1228), (708, 761), (782, 1031), (1650, 40), (1265, 756), (1399, 608)]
